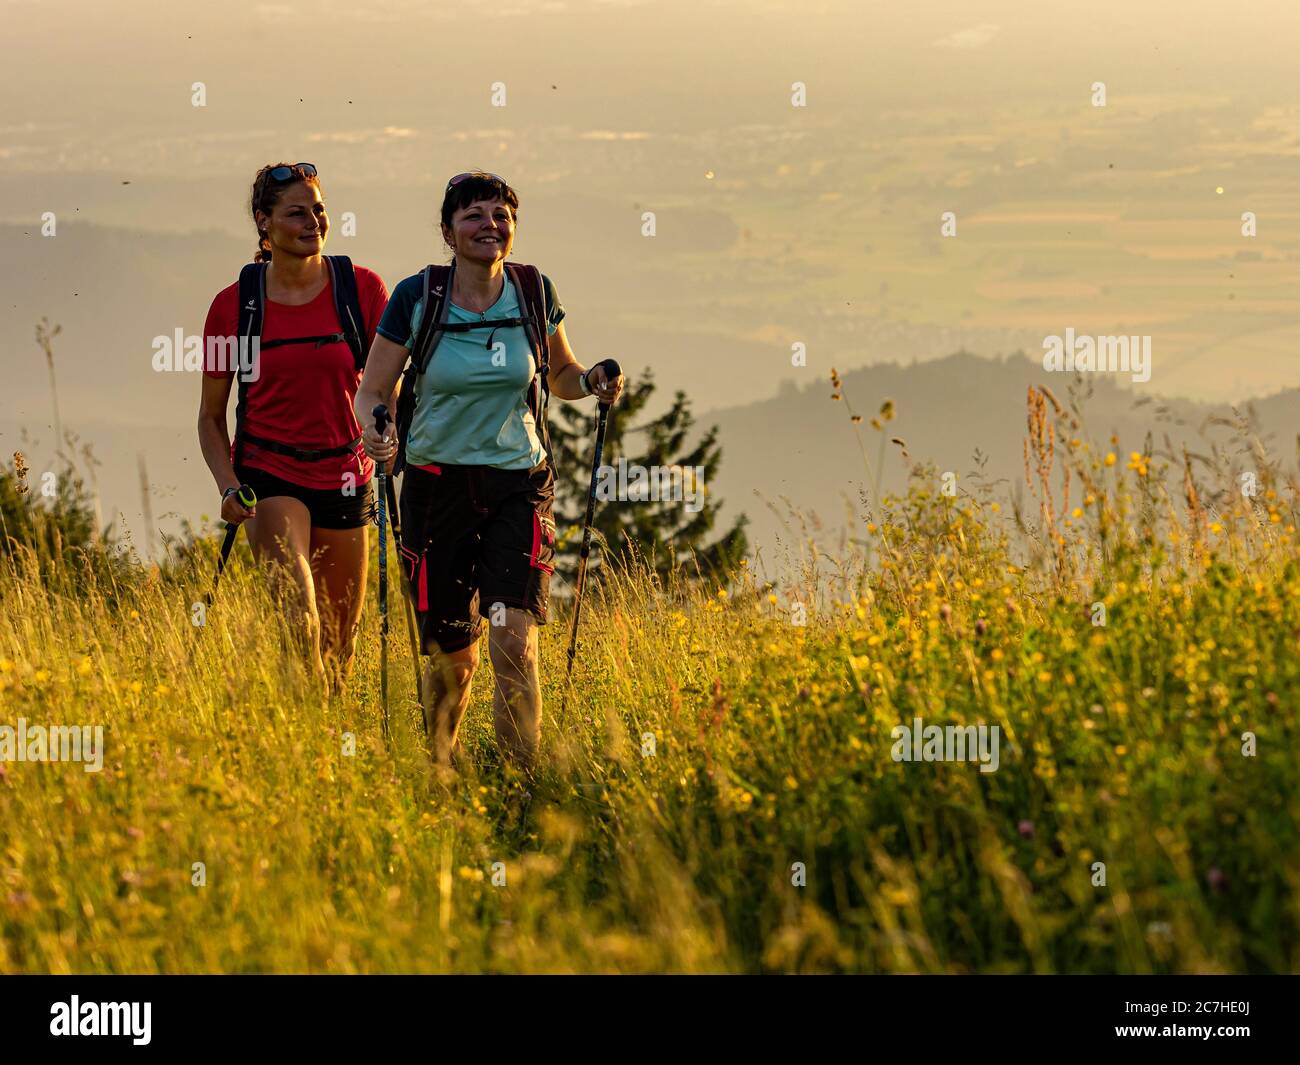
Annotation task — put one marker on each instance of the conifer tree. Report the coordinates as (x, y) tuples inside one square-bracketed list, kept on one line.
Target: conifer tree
[(664, 533)]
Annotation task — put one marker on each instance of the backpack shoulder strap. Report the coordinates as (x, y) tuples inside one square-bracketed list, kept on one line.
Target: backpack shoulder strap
[(435, 286), (531, 293), (252, 300), (347, 304), (436, 294)]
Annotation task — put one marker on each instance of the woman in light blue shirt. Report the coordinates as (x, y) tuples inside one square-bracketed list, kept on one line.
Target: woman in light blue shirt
[(478, 482)]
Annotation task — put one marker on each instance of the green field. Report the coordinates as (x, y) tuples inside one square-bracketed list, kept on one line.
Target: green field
[(1122, 743)]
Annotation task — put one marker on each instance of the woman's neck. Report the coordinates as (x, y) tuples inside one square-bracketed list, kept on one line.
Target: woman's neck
[(477, 285), (295, 273)]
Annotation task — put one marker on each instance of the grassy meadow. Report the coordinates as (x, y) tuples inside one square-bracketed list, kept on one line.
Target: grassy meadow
[(709, 744)]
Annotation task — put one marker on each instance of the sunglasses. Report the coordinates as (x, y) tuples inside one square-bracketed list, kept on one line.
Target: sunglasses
[(284, 173), (469, 174)]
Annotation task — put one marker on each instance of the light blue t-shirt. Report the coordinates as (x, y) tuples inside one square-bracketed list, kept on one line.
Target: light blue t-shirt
[(471, 404)]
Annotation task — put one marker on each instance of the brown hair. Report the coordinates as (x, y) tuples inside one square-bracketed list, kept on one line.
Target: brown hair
[(480, 186), (267, 193)]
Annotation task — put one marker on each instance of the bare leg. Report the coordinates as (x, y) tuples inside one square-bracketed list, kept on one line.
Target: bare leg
[(517, 700), (338, 563), (280, 537), (447, 680)]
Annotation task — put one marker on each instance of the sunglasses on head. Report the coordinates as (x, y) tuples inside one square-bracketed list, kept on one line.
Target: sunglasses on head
[(469, 174), (284, 173)]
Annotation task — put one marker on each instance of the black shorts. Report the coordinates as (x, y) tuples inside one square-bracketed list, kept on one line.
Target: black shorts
[(329, 508), (476, 537)]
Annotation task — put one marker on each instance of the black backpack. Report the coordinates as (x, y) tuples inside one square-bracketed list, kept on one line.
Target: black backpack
[(252, 300), (437, 278)]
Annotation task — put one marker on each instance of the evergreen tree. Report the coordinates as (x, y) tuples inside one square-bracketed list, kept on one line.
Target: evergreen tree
[(663, 533)]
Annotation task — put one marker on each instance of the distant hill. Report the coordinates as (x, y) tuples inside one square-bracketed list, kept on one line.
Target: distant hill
[(801, 444)]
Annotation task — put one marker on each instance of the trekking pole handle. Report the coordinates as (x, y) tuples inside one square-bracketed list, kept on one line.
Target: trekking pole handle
[(612, 373), (248, 498), (244, 493), (380, 414)]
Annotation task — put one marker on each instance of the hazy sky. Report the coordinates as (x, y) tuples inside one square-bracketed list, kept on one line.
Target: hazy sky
[(776, 224)]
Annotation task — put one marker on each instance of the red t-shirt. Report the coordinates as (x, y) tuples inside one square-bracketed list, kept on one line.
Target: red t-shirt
[(303, 394)]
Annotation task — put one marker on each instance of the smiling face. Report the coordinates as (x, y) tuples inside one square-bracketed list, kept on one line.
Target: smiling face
[(297, 224), (482, 232)]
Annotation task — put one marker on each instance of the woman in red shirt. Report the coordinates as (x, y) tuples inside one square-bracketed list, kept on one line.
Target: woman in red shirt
[(297, 440)]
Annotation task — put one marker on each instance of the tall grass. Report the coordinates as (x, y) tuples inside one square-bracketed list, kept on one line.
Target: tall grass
[(708, 746)]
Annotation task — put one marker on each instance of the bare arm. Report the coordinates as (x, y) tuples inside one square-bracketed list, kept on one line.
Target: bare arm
[(379, 385), (565, 371), (214, 442), (214, 434)]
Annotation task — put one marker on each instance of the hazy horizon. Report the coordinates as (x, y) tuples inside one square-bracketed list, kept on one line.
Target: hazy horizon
[(776, 224)]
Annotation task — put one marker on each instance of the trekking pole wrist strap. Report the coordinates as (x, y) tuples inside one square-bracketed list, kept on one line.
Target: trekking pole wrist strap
[(582, 380)]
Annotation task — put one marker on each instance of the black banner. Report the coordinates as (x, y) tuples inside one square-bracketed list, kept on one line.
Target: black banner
[(1225, 1015)]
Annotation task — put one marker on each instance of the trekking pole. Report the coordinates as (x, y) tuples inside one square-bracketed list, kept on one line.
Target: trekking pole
[(395, 519), (249, 498), (380, 414), (612, 372)]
